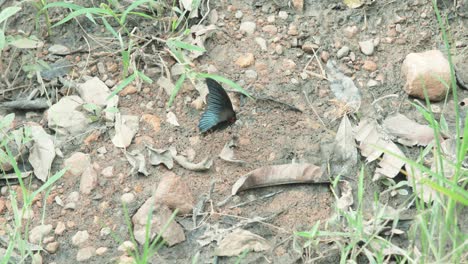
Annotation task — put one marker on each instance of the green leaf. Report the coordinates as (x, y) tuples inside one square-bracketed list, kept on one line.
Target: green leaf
[(112, 109), (122, 85), (226, 81), (50, 181), (178, 85), (184, 45), (6, 121), (459, 197), (8, 12), (83, 11), (130, 8), (144, 77), (62, 4), (109, 28)]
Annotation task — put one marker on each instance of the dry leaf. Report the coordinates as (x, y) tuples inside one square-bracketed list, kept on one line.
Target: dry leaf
[(343, 87), (172, 119), (227, 153), (42, 153), (137, 161), (166, 84), (158, 156), (346, 199), (126, 126), (344, 151), (407, 131), (238, 241), (186, 164), (278, 175), (354, 3)]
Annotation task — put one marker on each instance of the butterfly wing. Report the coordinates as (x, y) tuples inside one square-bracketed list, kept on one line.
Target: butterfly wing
[(219, 112)]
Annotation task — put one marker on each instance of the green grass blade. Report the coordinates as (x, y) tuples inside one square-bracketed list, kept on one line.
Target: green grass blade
[(184, 45), (134, 5), (455, 196), (49, 182), (122, 85), (62, 4), (144, 77), (109, 28), (8, 12), (84, 11), (178, 85)]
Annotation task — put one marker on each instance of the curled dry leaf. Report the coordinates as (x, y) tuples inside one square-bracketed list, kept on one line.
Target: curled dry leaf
[(126, 126), (186, 164), (278, 175), (239, 240), (407, 131), (42, 153), (346, 199), (344, 150), (227, 153), (373, 142), (160, 156), (343, 87), (137, 161)]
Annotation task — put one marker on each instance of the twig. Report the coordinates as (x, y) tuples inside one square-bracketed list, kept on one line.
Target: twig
[(313, 109), (260, 198), (207, 12), (384, 97)]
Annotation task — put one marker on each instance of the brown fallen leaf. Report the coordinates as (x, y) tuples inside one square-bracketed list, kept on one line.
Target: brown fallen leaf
[(137, 161), (160, 156), (227, 153), (278, 175), (238, 241), (346, 199), (344, 151), (408, 132)]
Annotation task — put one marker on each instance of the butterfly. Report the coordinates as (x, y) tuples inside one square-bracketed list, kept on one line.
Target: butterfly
[(219, 112)]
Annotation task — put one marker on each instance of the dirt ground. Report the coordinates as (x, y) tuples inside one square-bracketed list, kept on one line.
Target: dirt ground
[(266, 132)]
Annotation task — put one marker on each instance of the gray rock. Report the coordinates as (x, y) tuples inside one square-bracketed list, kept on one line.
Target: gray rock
[(38, 232), (85, 254), (88, 180), (239, 14), (283, 15), (77, 163), (80, 238), (248, 27), (251, 74), (127, 198), (343, 52), (65, 119), (367, 47), (58, 49), (262, 43), (94, 91)]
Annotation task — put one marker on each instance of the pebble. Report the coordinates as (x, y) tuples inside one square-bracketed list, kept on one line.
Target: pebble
[(248, 27), (289, 64), (88, 180), (102, 150), (59, 49), (101, 68), (239, 14), (279, 49), (80, 238), (48, 239), (127, 198), (105, 231), (309, 47), (101, 251), (343, 52), (372, 83), (271, 19), (36, 258), (292, 30), (60, 228), (270, 29), (85, 253), (110, 83), (325, 56), (52, 247), (369, 66), (108, 172), (294, 81), (304, 75), (129, 89), (367, 47), (126, 246), (245, 60), (351, 31), (262, 43), (38, 232), (77, 163), (251, 74), (283, 15)]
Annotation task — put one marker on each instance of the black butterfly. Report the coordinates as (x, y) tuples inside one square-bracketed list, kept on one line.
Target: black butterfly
[(219, 112)]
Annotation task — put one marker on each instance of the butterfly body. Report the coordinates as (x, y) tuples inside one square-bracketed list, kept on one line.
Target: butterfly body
[(219, 113)]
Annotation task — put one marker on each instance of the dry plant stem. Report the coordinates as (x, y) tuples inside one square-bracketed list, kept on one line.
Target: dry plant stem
[(383, 97), (313, 109), (207, 12), (322, 71), (257, 199)]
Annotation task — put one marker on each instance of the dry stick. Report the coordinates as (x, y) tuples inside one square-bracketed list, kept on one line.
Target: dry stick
[(383, 97), (313, 109), (207, 12), (322, 71)]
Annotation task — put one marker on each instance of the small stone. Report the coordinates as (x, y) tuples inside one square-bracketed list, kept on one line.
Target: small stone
[(37, 233), (110, 83), (298, 5), (126, 246), (173, 192), (309, 47), (129, 89), (292, 30), (289, 64), (105, 231), (101, 68), (294, 81), (251, 74), (343, 52), (262, 43), (52, 247), (351, 31), (77, 163), (248, 27), (325, 56), (36, 258), (239, 14), (59, 49), (127, 198), (88, 180), (60, 228), (102, 150), (372, 83), (85, 253), (270, 29), (271, 19), (279, 49), (48, 240), (367, 47), (152, 120), (101, 251), (283, 15), (304, 75), (108, 172), (369, 66), (80, 238), (245, 60)]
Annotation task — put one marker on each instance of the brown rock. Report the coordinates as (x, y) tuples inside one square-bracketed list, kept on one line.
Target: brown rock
[(93, 137), (85, 254), (289, 64), (325, 56), (422, 72), (369, 66), (130, 89), (2, 205), (309, 47), (153, 121), (245, 60), (52, 247), (292, 30), (351, 31), (298, 5), (77, 163), (270, 29), (173, 192), (88, 180)]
